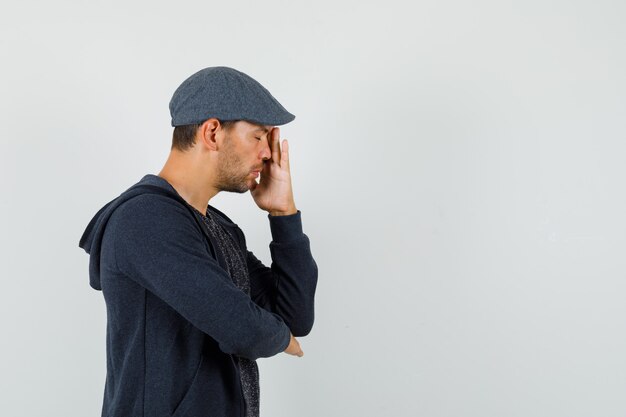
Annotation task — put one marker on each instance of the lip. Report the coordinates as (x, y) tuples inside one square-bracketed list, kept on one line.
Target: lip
[(255, 173)]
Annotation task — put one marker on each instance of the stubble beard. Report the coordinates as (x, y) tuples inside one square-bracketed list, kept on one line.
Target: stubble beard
[(231, 176)]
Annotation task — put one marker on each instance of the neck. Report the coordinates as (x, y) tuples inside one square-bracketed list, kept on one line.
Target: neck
[(190, 178)]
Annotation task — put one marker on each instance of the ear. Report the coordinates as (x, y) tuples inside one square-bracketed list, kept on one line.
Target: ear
[(207, 134)]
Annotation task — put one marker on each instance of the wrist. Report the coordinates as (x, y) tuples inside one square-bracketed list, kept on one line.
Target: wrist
[(288, 212), (287, 228)]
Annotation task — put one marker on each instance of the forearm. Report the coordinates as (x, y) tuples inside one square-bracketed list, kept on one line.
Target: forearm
[(295, 272)]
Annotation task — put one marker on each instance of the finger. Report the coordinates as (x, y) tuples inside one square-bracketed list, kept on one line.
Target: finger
[(276, 145), (284, 155)]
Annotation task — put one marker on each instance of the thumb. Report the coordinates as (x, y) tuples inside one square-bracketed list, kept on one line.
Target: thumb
[(253, 186)]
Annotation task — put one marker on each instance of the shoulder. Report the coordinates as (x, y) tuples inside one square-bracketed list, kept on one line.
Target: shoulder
[(147, 213)]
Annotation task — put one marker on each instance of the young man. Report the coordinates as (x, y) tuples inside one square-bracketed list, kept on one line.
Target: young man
[(189, 308)]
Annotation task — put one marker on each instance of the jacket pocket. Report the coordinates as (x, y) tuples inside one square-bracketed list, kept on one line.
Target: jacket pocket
[(182, 407), (215, 390)]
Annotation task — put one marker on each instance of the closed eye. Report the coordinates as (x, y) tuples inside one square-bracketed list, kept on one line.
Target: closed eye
[(257, 138)]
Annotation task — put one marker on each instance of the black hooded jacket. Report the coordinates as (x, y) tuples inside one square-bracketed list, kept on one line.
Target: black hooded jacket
[(176, 323)]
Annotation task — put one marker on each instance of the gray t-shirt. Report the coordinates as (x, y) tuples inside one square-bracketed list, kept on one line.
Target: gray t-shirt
[(238, 272)]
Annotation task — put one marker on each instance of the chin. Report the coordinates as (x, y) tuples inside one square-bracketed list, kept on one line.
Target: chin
[(237, 188)]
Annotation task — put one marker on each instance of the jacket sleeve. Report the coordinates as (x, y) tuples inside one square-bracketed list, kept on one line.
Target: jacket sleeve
[(159, 245), (287, 288)]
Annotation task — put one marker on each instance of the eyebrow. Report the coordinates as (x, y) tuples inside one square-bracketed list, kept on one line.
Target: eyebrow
[(262, 129)]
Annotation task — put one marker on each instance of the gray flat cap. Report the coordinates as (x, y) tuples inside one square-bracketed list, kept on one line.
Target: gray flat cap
[(226, 94)]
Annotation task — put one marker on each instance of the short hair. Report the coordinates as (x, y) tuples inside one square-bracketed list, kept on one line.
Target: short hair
[(184, 136)]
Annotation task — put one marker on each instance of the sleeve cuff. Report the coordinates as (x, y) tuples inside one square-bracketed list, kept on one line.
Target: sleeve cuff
[(286, 228), (286, 345)]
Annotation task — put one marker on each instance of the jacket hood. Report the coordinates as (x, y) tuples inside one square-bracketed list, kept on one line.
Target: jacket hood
[(91, 239)]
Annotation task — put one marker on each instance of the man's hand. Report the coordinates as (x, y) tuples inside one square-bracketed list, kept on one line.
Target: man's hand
[(294, 347), (273, 193)]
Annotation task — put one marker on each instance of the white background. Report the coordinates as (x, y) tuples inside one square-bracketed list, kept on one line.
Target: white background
[(459, 167)]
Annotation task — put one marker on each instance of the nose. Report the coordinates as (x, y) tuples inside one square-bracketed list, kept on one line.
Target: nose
[(266, 153)]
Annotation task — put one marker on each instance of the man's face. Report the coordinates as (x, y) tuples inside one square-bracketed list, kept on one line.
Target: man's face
[(245, 148)]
